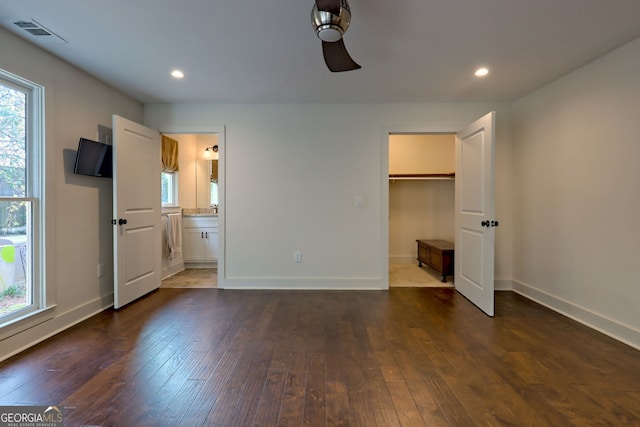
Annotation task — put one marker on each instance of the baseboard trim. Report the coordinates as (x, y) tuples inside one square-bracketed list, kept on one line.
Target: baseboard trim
[(306, 283), (612, 328), (193, 265), (61, 321), (503, 284)]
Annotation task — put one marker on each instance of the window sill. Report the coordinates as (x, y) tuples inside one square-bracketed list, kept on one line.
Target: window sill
[(29, 320)]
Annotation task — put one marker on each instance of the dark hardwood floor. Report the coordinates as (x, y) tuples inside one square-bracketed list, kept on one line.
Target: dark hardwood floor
[(410, 357)]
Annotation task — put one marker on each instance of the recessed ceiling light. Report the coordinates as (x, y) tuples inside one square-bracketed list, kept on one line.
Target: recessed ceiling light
[(177, 74), (481, 72)]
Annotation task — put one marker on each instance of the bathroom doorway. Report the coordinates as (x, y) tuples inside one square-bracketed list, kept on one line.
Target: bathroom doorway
[(200, 203)]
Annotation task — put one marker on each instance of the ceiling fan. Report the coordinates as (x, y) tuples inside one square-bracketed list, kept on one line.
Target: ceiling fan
[(330, 19)]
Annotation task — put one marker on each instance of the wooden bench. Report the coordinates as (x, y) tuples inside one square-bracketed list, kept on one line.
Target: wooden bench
[(437, 254)]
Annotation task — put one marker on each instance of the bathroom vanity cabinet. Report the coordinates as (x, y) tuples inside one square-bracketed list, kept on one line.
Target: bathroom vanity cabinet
[(200, 240)]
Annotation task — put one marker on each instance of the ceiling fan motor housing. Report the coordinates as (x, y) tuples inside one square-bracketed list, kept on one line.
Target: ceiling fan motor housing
[(330, 27)]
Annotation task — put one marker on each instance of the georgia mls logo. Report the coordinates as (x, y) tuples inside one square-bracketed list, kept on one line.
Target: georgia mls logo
[(30, 416), (55, 410)]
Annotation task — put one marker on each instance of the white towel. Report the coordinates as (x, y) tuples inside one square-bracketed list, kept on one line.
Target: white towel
[(174, 235)]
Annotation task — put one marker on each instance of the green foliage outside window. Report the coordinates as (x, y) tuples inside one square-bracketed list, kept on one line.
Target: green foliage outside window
[(12, 159)]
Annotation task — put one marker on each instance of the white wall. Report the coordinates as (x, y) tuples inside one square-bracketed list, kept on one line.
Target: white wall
[(576, 154), (292, 174), (78, 208)]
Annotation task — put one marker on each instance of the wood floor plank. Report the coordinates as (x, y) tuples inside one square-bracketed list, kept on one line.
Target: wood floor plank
[(180, 403), (361, 408), (406, 409), (417, 374), (293, 398), (384, 409), (337, 405), (201, 406), (410, 357), (268, 409), (315, 412)]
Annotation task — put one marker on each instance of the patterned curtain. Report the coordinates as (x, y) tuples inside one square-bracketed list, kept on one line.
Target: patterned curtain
[(169, 154)]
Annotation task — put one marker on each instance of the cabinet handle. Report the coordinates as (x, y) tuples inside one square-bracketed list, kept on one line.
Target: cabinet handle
[(202, 234), (206, 234)]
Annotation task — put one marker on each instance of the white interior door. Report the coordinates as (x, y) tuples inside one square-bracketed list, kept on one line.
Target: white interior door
[(137, 240), (474, 205)]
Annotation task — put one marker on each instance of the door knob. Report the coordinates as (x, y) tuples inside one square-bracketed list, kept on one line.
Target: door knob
[(484, 223), (122, 221)]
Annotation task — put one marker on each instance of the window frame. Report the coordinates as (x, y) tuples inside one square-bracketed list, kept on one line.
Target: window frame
[(173, 189), (42, 307)]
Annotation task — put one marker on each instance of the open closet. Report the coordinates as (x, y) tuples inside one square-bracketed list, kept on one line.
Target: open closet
[(421, 205)]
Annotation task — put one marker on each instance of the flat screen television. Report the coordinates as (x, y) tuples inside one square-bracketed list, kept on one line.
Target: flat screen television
[(94, 159)]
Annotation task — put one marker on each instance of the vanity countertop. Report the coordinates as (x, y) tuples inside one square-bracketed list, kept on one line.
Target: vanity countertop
[(200, 212)]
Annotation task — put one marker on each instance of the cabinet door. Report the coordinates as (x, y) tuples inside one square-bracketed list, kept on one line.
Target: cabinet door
[(211, 244), (192, 244)]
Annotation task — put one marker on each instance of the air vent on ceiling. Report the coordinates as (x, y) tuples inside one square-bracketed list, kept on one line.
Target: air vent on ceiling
[(39, 32)]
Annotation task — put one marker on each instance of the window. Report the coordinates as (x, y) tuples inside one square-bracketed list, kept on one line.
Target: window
[(214, 194), (21, 209), (169, 184)]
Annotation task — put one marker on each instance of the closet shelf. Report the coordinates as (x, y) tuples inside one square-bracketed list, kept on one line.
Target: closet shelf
[(423, 176)]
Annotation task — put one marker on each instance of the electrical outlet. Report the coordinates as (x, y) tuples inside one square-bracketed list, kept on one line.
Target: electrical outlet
[(100, 270), (359, 202), (297, 256)]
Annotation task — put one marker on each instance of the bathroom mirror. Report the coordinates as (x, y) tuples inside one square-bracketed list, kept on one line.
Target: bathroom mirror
[(203, 183), (203, 170)]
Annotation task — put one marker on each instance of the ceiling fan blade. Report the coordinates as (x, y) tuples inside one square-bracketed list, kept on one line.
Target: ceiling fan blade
[(337, 58), (332, 6)]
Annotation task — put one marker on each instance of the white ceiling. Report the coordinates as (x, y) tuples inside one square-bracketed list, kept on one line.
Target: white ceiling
[(247, 51)]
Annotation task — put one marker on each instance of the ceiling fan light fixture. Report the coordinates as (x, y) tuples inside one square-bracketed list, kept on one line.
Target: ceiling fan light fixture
[(330, 20), (329, 33), (329, 27)]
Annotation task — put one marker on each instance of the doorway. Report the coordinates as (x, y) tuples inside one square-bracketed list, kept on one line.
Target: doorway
[(473, 252), (201, 201), (421, 204)]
